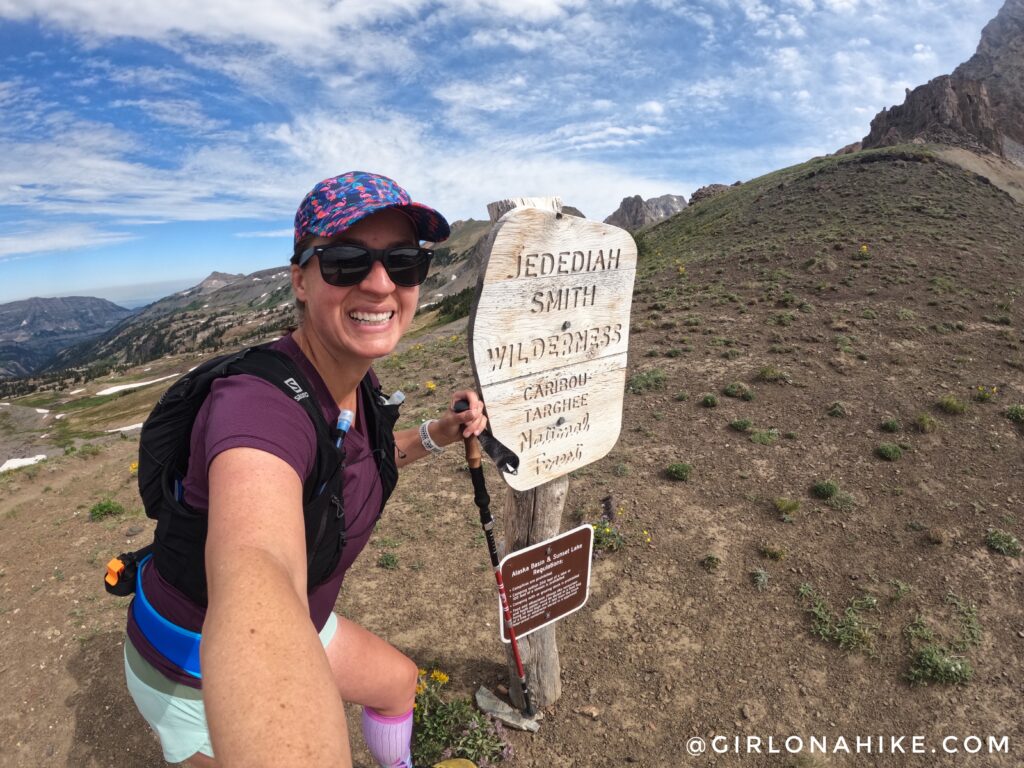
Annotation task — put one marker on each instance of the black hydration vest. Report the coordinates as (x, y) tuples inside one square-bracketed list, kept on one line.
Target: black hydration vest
[(164, 446)]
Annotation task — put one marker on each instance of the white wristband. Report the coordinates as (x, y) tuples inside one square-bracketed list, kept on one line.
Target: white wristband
[(428, 442)]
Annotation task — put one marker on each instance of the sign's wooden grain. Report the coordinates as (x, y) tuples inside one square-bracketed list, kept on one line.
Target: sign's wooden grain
[(549, 336)]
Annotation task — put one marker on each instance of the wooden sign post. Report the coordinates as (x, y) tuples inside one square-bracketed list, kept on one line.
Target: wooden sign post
[(548, 339)]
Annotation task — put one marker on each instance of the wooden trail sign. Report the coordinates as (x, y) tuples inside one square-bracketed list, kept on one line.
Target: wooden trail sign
[(548, 338), (554, 399)]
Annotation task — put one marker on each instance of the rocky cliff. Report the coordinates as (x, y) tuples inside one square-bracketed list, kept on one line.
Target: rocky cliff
[(980, 106), (635, 213)]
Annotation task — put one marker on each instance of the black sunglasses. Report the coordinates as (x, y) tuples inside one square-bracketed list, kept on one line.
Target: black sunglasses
[(347, 264)]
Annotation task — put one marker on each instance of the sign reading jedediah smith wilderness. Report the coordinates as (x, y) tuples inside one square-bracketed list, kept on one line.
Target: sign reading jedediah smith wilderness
[(549, 336)]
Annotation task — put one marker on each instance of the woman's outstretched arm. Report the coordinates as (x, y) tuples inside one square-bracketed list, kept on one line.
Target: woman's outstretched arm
[(270, 696)]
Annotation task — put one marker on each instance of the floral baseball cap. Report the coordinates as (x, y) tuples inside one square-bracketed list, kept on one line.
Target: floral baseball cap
[(335, 204)]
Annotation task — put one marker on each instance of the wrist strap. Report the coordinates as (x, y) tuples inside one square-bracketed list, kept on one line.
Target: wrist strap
[(427, 440)]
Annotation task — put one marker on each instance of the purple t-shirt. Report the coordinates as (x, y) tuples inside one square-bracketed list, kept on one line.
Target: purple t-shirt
[(247, 411)]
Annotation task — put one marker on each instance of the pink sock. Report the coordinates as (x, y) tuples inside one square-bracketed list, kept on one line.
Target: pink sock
[(388, 738)]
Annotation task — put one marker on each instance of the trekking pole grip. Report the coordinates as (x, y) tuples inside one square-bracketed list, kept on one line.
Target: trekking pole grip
[(474, 460), (473, 456)]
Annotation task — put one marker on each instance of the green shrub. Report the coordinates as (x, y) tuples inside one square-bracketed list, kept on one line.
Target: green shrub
[(1002, 542), (772, 375), (760, 579), (738, 389), (888, 451), (454, 728), (387, 561), (984, 394), (890, 425), (951, 404), (925, 423), (741, 425), (825, 489), (841, 501), (709, 400), (838, 410), (645, 381), (88, 450), (850, 631), (934, 663), (786, 506), (607, 536), (765, 436), (710, 563), (1015, 413), (105, 508), (680, 471)]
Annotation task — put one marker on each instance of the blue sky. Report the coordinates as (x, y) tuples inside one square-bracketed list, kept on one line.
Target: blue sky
[(144, 145)]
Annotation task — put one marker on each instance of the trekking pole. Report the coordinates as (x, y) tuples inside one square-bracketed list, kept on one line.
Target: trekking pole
[(483, 502)]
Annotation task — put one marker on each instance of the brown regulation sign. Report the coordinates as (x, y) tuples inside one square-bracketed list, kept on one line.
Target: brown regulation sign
[(547, 581)]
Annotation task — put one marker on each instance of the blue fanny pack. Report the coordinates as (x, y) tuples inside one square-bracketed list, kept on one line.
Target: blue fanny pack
[(179, 646)]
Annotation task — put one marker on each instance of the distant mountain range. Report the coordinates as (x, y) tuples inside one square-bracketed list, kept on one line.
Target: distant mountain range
[(32, 331), (222, 310)]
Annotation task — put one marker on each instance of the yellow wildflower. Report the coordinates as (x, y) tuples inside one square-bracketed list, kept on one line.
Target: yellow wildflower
[(431, 386), (439, 676), (133, 467)]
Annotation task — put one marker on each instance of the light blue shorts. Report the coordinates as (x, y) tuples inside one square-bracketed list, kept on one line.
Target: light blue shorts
[(175, 712)]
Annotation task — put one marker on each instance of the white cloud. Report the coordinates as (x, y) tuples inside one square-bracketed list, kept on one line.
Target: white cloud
[(135, 78), (923, 53), (710, 94), (270, 233), (527, 10), (461, 180), (806, 6), (302, 28), (608, 136), (524, 41), (653, 108), (181, 113), (844, 7), (54, 238), (468, 96)]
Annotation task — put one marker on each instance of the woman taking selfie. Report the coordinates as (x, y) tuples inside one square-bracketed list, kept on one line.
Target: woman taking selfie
[(276, 662)]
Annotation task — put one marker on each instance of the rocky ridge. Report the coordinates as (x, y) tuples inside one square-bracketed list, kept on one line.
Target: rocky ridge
[(636, 213), (980, 106)]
